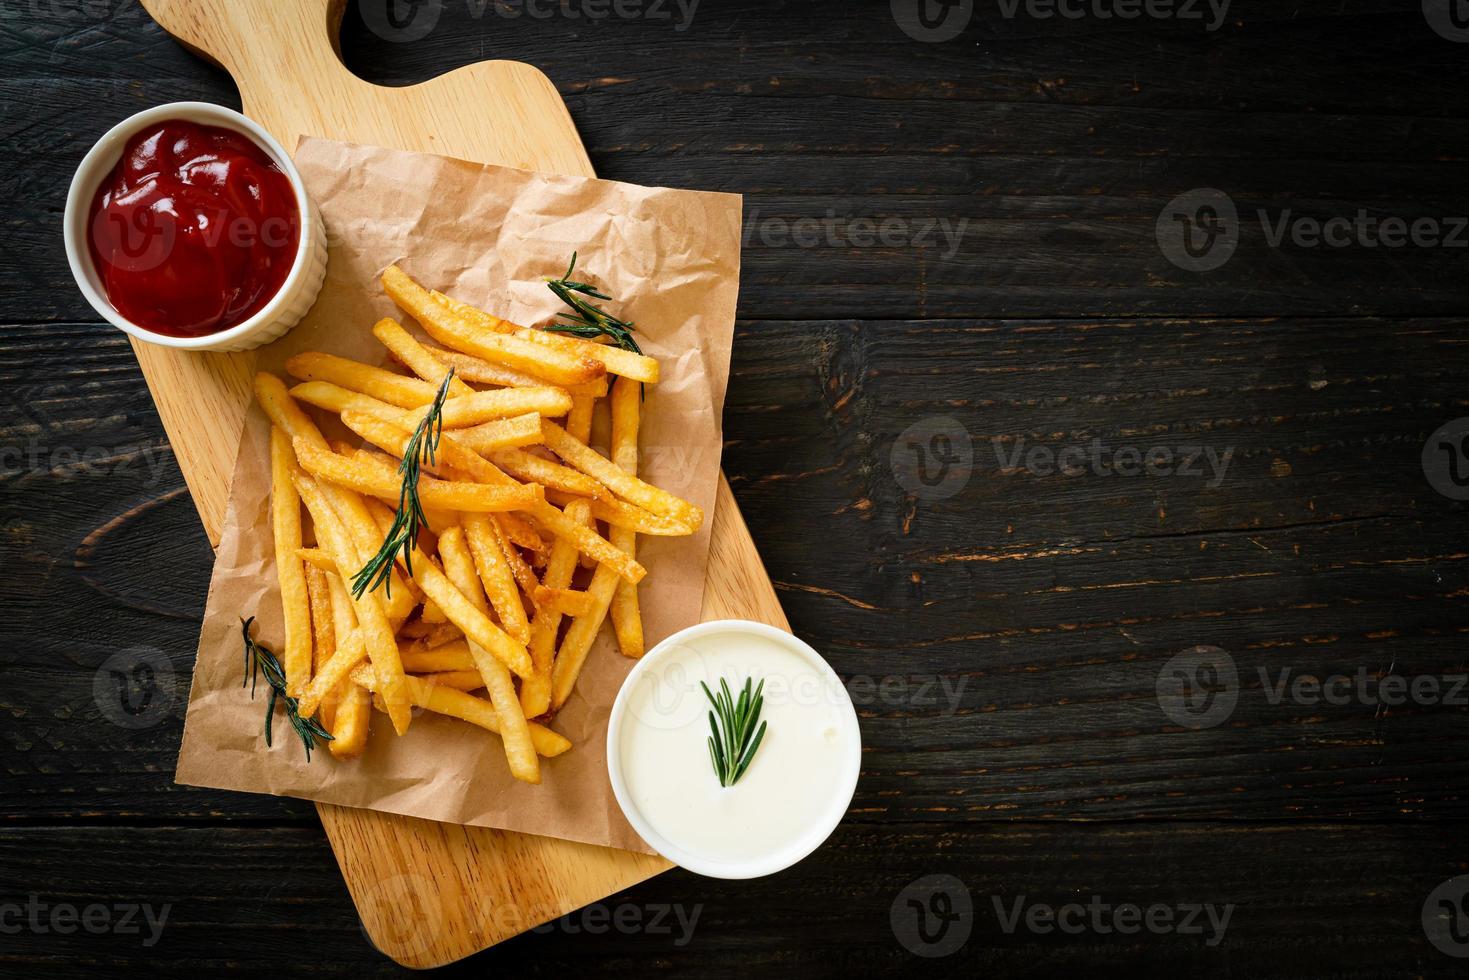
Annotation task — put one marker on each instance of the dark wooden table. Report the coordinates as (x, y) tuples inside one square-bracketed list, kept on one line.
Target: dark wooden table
[(965, 266)]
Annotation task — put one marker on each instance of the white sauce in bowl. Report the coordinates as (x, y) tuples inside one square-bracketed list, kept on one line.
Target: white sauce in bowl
[(799, 783)]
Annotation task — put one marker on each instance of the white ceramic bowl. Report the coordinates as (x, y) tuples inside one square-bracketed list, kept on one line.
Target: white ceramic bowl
[(789, 852), (272, 320)]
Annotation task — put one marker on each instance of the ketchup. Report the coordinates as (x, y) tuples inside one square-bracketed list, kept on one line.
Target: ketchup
[(194, 230)]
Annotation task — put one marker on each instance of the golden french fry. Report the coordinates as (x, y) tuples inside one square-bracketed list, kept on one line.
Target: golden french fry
[(587, 561), (453, 330), (398, 601), (470, 680), (285, 521), (615, 478), (478, 407), (323, 629), (530, 468), (353, 716), (578, 640), (616, 513), (456, 704), (442, 634), (519, 532), (395, 389), (477, 626), (639, 367), (372, 620), (352, 474), (628, 364), (520, 753), (318, 558), (627, 617), (402, 345), (344, 623), (350, 652), (587, 541), (283, 411), (424, 660), (487, 549), (480, 371), (535, 691), (567, 602), (336, 399), (579, 419), (511, 433), (524, 576)]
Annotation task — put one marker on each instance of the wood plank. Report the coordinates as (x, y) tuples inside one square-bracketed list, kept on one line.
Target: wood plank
[(1357, 892)]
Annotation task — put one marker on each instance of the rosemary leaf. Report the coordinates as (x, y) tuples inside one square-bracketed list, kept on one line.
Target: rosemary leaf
[(588, 320), (732, 722), (402, 536), (260, 660)]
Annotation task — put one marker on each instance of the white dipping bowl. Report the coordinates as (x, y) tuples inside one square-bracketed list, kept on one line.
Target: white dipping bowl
[(784, 853), (280, 314)]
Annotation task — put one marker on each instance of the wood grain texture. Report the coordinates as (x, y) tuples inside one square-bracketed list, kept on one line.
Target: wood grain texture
[(293, 83), (1053, 600), (1351, 909)]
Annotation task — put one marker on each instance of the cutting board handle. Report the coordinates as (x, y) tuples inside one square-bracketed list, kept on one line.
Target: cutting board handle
[(299, 40)]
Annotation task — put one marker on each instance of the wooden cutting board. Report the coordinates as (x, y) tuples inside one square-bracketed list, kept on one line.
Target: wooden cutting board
[(428, 893)]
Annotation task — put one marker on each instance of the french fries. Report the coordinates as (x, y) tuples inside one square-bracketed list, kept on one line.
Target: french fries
[(627, 619), (285, 520), (442, 569), (514, 732)]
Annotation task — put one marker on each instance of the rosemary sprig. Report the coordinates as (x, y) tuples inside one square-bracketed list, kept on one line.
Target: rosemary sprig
[(260, 658), (731, 746), (587, 320), (402, 536)]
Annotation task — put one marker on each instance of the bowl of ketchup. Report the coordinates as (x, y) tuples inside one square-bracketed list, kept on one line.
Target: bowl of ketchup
[(188, 226)]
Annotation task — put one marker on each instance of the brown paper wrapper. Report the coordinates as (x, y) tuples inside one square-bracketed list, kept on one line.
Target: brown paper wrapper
[(489, 236)]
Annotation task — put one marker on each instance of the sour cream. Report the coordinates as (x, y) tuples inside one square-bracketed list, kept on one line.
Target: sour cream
[(799, 783)]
